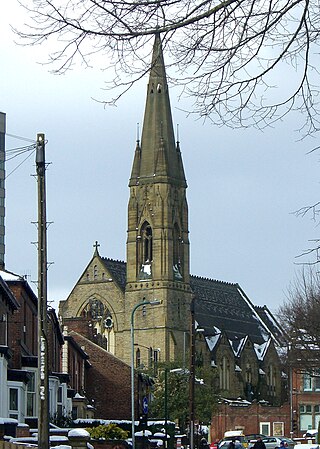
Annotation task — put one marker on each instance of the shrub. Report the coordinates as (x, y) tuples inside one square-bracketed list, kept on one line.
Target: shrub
[(107, 432)]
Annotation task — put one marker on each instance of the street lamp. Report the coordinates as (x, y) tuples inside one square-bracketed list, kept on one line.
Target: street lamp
[(140, 304)]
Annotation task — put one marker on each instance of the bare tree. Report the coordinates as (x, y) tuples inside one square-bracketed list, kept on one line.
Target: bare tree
[(244, 62), (300, 315)]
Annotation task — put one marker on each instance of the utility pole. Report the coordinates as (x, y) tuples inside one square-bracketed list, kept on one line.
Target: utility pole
[(192, 377), (43, 380)]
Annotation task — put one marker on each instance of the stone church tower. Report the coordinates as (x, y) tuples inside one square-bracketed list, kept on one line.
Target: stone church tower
[(158, 242), (101, 303)]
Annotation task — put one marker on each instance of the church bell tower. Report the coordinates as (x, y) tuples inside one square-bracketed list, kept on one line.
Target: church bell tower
[(158, 241)]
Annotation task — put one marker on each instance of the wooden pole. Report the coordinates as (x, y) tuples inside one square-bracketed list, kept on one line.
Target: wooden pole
[(43, 380)]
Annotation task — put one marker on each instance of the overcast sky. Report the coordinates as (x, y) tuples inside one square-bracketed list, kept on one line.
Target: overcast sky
[(243, 185)]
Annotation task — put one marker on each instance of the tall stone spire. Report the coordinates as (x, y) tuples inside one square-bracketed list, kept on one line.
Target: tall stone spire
[(159, 158), (158, 236)]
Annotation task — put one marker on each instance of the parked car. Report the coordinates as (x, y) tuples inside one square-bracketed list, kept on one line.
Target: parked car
[(240, 442), (273, 442), (311, 433), (254, 436), (307, 446), (226, 441)]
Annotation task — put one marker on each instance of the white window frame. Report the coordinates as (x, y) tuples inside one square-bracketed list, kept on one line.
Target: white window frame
[(307, 382), (20, 386), (268, 425), (34, 393)]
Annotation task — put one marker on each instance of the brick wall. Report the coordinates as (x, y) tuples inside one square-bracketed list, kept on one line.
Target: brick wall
[(109, 381), (249, 419)]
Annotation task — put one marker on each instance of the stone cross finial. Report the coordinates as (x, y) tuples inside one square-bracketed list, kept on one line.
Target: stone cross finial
[(96, 246)]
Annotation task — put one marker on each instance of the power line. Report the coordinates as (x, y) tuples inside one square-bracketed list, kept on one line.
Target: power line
[(19, 165), (15, 152), (21, 138)]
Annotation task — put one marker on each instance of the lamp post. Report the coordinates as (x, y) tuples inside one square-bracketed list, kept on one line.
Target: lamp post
[(140, 304)]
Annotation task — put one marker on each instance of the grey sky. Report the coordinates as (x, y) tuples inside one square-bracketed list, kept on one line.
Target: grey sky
[(243, 185)]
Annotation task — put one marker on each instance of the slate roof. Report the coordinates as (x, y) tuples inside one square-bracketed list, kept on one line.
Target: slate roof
[(220, 307), (117, 270), (267, 317)]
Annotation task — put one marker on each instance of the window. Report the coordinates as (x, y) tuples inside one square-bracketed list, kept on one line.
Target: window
[(305, 421), (74, 412), (145, 251), (316, 380), (138, 358), (224, 374), (265, 428), (31, 395), (271, 380), (177, 253), (308, 419), (13, 403), (316, 416), (150, 357), (59, 401), (248, 373), (156, 357), (307, 382), (147, 243)]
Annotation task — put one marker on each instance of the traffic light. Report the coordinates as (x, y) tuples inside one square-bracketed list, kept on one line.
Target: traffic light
[(294, 425), (143, 420)]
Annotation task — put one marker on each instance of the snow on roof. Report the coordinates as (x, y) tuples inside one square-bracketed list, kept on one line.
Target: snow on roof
[(78, 396), (7, 276), (261, 350), (212, 341), (8, 421), (238, 345)]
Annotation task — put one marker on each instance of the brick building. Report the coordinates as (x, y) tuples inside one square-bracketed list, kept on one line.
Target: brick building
[(19, 355), (8, 305), (263, 418), (305, 400)]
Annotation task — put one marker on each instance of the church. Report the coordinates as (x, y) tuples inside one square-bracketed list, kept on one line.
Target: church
[(239, 340)]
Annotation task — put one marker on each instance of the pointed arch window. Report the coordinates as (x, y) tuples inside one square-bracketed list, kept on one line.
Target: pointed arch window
[(146, 233), (271, 380), (138, 358), (224, 374), (150, 357), (177, 253), (145, 250)]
